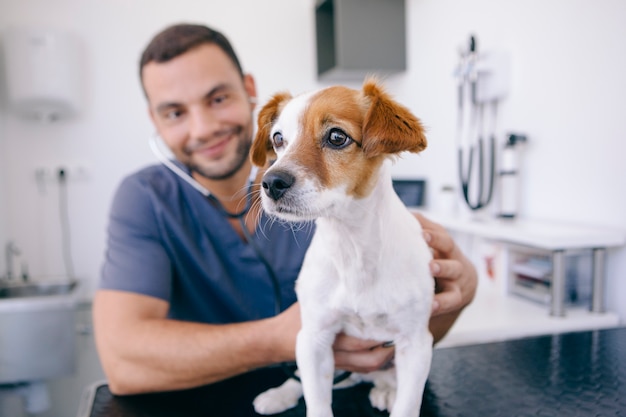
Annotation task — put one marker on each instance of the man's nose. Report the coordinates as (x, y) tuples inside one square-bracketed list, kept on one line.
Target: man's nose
[(202, 123)]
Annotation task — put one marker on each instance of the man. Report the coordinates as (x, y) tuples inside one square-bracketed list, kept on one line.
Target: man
[(185, 298)]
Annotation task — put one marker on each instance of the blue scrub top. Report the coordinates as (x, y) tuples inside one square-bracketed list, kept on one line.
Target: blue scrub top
[(167, 240)]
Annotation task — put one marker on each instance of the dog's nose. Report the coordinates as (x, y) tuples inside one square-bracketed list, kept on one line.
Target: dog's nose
[(277, 183)]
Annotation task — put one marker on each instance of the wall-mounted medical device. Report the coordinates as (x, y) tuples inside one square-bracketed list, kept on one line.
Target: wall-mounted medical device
[(43, 73), (483, 80)]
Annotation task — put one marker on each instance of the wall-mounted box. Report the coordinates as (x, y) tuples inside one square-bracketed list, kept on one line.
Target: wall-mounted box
[(43, 71), (356, 38)]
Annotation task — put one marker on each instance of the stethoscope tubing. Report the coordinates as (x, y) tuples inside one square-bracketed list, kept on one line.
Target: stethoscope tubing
[(279, 306), (470, 131)]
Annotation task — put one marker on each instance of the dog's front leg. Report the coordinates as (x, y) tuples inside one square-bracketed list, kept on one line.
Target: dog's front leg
[(316, 365), (413, 357)]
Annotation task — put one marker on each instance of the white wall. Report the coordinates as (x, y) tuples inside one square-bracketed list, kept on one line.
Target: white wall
[(3, 192), (110, 137), (3, 162), (568, 94)]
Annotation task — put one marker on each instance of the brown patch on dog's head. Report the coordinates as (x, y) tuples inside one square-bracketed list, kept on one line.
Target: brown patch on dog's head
[(335, 107), (389, 127), (379, 125), (262, 148), (376, 125)]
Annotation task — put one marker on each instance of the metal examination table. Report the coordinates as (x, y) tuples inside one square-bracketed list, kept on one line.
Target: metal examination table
[(573, 374)]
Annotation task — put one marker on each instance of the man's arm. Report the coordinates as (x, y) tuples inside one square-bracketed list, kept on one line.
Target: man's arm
[(141, 350)]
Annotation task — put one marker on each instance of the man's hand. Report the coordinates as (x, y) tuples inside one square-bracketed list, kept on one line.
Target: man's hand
[(351, 354), (362, 356), (455, 286), (455, 277)]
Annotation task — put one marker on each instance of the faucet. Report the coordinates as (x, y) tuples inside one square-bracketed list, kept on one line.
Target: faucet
[(10, 250)]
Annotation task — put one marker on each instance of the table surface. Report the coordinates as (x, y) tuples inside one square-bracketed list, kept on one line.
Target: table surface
[(572, 374), (543, 234)]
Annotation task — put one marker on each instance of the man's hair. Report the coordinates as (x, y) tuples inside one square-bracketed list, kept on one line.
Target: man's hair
[(178, 39)]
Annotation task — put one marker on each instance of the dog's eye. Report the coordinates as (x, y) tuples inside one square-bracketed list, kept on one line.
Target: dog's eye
[(277, 140), (337, 138)]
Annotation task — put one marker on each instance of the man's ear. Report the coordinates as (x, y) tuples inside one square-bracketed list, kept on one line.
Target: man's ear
[(250, 87), (151, 115), (262, 148), (389, 127)]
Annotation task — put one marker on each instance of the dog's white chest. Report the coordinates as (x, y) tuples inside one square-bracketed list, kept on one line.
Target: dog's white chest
[(368, 295), (376, 326)]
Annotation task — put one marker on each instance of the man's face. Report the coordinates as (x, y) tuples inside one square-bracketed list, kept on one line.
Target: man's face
[(201, 108)]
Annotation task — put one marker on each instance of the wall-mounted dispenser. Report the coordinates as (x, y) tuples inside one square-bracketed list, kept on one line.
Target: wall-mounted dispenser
[(509, 176), (43, 73)]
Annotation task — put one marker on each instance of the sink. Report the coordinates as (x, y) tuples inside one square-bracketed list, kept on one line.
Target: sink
[(38, 289), (37, 330)]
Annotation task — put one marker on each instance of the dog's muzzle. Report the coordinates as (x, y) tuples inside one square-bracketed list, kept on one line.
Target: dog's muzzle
[(277, 183)]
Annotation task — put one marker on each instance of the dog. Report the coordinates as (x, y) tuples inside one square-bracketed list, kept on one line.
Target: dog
[(366, 272)]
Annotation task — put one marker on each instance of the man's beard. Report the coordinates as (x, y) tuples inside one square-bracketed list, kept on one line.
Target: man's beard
[(241, 155)]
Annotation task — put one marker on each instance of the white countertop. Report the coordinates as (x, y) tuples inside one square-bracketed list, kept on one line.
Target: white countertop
[(494, 317), (540, 234)]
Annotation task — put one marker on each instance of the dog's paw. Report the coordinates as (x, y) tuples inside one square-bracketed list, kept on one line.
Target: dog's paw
[(277, 400), (383, 397), (273, 401)]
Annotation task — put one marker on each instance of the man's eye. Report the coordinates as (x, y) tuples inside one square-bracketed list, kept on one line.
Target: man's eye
[(337, 138), (219, 99), (173, 114), (277, 140)]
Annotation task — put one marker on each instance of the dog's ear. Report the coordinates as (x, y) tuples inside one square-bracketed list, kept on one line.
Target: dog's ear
[(389, 127), (262, 148)]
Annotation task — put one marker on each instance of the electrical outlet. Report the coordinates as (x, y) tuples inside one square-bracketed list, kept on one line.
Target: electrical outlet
[(53, 173)]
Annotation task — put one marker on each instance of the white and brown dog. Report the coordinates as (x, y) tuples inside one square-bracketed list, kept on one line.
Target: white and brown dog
[(366, 271)]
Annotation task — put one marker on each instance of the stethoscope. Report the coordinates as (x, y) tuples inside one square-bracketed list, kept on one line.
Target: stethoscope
[(163, 157), (159, 151), (470, 122)]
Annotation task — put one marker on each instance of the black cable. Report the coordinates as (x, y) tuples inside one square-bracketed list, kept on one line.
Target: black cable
[(278, 298), (65, 224), (288, 368), (492, 170), (238, 215), (465, 179)]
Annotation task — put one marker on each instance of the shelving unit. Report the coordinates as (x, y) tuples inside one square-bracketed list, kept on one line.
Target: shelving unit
[(498, 315)]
